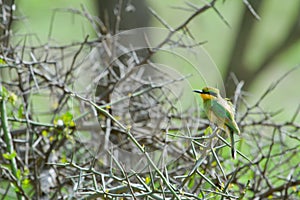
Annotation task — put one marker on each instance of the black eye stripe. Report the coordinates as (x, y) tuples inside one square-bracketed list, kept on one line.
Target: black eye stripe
[(211, 93)]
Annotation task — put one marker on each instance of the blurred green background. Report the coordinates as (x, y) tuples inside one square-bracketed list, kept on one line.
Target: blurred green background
[(269, 33), (258, 51)]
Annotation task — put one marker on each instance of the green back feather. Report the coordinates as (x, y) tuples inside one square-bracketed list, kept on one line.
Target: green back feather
[(222, 113)]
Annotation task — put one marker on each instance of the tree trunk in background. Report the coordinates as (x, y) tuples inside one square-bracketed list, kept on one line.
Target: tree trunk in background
[(6, 20), (6, 13), (237, 63), (134, 14)]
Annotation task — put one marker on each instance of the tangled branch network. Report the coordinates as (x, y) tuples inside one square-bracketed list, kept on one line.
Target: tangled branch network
[(115, 117)]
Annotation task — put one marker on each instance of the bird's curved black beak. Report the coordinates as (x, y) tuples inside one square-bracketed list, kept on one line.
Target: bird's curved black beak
[(198, 91)]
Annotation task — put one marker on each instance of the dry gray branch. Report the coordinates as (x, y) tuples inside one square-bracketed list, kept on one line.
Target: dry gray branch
[(99, 119)]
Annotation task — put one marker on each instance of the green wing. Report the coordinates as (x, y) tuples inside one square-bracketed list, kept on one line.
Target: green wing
[(224, 114)]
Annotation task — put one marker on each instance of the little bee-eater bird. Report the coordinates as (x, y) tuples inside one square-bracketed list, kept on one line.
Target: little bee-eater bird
[(220, 112)]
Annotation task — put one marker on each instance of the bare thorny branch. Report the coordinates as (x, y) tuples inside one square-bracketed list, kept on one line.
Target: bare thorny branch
[(55, 152)]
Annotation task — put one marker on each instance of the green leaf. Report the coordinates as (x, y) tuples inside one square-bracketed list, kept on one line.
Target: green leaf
[(21, 111), (2, 62), (67, 118), (191, 182), (147, 180), (25, 183), (18, 174), (44, 133), (4, 92), (63, 159), (208, 131), (16, 189), (26, 171), (12, 98), (72, 124), (6, 156), (9, 156), (200, 195)]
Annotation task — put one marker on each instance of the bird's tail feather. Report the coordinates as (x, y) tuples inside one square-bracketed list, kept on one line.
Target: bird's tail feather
[(232, 144)]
